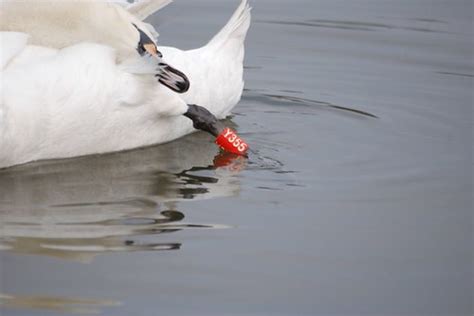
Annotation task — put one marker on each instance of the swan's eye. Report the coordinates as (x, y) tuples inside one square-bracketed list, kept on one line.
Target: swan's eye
[(146, 45)]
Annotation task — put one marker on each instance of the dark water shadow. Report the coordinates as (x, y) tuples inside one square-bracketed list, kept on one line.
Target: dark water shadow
[(279, 100), (455, 74)]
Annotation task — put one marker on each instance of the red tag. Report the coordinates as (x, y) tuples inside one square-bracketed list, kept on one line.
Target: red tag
[(229, 141)]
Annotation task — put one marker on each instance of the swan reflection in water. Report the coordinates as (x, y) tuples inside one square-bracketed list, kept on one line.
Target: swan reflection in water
[(77, 209), (56, 304)]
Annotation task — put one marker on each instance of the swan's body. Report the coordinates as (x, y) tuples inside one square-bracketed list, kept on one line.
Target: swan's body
[(89, 97), (76, 101)]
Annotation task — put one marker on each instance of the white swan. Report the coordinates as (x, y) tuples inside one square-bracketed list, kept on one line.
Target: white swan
[(76, 96)]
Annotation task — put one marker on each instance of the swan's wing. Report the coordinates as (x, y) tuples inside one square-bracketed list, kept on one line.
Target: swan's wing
[(144, 8), (12, 43)]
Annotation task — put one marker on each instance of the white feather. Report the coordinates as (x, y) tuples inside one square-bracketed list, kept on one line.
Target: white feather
[(16, 43), (62, 23), (144, 8), (146, 65)]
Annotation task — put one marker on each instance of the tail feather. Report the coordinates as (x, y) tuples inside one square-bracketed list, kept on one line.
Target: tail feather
[(237, 26)]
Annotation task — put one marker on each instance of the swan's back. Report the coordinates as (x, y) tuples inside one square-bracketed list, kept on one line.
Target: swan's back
[(64, 23)]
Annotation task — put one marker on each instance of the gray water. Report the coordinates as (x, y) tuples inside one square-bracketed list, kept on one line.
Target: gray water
[(334, 212)]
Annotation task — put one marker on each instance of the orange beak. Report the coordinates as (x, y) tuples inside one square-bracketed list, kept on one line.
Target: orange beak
[(152, 50)]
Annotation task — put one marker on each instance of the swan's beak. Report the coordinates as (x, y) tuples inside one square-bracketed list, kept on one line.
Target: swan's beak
[(173, 78)]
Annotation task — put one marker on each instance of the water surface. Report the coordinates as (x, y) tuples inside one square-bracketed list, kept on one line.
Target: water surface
[(334, 213)]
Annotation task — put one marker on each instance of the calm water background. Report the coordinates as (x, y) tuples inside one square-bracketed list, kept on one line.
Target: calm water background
[(335, 213)]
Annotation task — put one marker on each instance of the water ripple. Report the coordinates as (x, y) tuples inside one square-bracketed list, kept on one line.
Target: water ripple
[(349, 25), (291, 101)]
